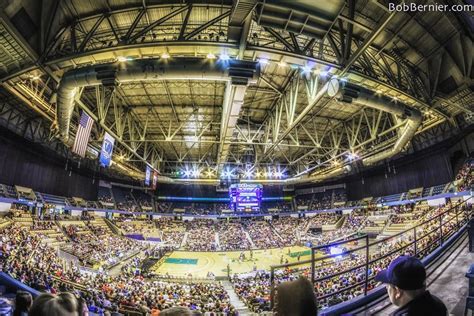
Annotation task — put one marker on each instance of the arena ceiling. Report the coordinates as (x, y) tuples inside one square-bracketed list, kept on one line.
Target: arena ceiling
[(286, 122)]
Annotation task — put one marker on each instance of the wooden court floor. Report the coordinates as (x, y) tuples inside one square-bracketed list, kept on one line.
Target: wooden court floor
[(216, 262)]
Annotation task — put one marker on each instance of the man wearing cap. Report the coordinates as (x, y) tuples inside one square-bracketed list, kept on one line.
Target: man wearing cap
[(405, 278)]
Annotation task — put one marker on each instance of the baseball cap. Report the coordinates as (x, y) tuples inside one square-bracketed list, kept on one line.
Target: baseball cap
[(405, 272)]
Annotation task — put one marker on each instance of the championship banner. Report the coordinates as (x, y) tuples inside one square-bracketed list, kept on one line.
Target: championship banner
[(106, 151), (155, 180), (147, 176)]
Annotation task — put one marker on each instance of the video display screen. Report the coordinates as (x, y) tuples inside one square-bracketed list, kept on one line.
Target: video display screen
[(245, 197)]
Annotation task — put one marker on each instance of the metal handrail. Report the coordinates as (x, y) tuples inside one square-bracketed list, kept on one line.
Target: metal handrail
[(440, 233)]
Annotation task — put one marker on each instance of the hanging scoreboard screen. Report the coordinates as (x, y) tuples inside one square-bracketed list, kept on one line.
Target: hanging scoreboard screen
[(245, 197)]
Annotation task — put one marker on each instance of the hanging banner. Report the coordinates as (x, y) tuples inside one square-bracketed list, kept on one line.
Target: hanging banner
[(155, 180), (106, 151), (147, 176)]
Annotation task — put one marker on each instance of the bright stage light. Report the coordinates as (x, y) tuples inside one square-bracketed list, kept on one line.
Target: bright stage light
[(248, 174), (209, 173), (165, 55), (211, 56), (123, 59), (352, 156), (306, 69), (227, 173), (263, 61), (224, 57), (282, 64), (336, 251)]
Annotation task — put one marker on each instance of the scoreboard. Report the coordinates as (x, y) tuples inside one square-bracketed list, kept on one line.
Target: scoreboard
[(245, 197)]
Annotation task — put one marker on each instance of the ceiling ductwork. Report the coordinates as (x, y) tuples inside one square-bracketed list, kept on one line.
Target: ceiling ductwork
[(236, 72), (241, 10), (233, 101), (310, 18), (350, 93)]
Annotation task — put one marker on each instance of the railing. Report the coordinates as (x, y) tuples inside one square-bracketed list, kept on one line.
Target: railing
[(418, 241)]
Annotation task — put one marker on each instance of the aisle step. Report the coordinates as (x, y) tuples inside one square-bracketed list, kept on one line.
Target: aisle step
[(235, 300)]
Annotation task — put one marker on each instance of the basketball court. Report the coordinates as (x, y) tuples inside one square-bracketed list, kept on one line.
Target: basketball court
[(199, 264)]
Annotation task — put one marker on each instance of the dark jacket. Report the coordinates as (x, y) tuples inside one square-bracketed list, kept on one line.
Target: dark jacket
[(423, 305)]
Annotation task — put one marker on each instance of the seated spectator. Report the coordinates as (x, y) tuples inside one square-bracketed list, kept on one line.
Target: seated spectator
[(23, 303), (64, 304), (406, 286)]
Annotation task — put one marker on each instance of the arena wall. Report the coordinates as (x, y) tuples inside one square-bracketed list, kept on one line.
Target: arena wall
[(23, 163)]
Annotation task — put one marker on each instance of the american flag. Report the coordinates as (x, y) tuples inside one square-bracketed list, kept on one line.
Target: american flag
[(83, 134)]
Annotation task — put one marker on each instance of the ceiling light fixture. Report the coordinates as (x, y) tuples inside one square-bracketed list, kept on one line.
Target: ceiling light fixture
[(122, 59), (306, 69), (224, 57)]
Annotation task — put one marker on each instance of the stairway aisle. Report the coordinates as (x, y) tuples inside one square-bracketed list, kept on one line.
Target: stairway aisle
[(185, 238), (235, 300)]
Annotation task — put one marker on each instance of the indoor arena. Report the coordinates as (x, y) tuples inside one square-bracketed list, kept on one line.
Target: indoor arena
[(236, 157)]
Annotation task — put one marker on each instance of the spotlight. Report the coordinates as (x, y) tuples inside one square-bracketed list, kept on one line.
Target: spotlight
[(263, 61), (352, 156), (227, 173), (282, 64), (336, 251), (378, 91), (224, 57), (323, 73), (209, 173), (248, 174), (306, 69), (165, 55), (122, 59), (211, 56)]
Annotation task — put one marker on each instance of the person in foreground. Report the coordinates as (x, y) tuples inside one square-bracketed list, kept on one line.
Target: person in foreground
[(405, 278), (295, 298), (63, 304)]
